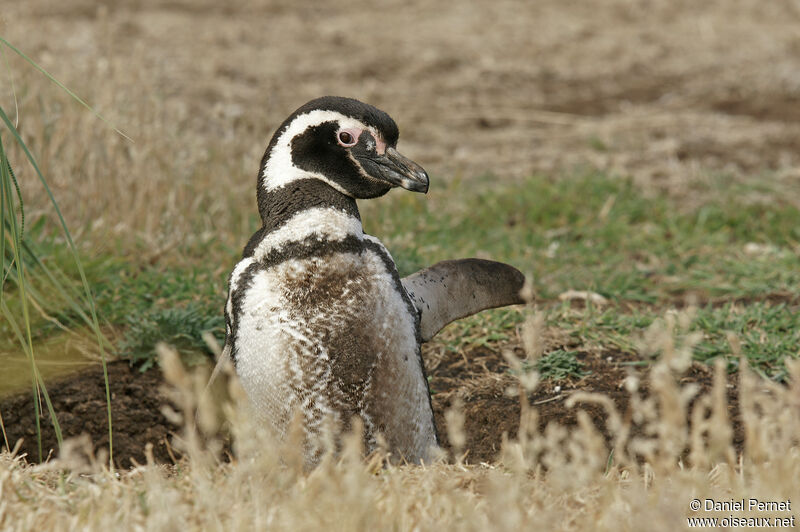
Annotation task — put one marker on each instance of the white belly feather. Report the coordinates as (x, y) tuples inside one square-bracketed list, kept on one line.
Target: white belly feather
[(331, 337)]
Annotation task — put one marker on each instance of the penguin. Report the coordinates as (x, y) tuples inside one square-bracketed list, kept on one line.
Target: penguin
[(319, 325)]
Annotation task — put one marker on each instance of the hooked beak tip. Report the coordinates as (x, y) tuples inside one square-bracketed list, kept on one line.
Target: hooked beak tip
[(419, 184)]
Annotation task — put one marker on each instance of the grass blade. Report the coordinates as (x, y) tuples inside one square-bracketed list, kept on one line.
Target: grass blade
[(17, 236), (64, 88), (76, 258), (26, 340), (89, 298)]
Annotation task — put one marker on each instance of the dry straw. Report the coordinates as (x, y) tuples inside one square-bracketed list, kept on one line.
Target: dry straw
[(642, 477)]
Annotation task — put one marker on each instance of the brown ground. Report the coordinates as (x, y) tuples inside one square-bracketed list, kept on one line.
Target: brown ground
[(480, 378), (80, 405)]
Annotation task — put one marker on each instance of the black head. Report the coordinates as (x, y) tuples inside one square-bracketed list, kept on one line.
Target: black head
[(346, 143)]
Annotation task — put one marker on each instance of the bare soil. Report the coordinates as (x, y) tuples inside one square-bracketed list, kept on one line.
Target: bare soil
[(80, 405), (480, 378), (491, 404)]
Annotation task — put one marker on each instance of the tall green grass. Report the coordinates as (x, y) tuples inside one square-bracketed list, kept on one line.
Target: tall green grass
[(29, 278)]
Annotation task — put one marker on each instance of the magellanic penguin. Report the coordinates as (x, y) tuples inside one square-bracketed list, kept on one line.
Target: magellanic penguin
[(319, 323)]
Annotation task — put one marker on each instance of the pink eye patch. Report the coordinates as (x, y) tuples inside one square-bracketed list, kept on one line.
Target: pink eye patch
[(348, 137)]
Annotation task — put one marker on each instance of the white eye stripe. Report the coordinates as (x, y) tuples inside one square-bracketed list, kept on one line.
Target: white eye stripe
[(280, 169)]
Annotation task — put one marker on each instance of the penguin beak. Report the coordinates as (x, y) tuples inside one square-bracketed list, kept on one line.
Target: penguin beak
[(396, 170)]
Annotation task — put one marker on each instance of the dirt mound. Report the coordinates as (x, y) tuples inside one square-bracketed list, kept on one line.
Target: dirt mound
[(481, 378), (80, 405)]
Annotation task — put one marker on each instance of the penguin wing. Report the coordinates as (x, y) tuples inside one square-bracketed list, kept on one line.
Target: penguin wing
[(454, 289)]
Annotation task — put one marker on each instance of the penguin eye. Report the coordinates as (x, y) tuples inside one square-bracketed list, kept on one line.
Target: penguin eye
[(347, 138)]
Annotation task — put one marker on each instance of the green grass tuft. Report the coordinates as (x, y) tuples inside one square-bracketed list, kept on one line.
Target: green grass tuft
[(559, 364), (768, 334), (180, 327)]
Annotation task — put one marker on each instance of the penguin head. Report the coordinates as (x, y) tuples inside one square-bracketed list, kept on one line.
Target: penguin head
[(345, 143)]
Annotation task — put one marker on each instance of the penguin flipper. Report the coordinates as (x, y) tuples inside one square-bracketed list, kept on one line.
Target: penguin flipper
[(454, 289)]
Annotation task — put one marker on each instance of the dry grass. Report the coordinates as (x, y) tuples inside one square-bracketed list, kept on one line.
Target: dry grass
[(552, 480), (670, 92)]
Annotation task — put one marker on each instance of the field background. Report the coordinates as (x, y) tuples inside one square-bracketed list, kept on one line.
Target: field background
[(671, 94), (645, 151)]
